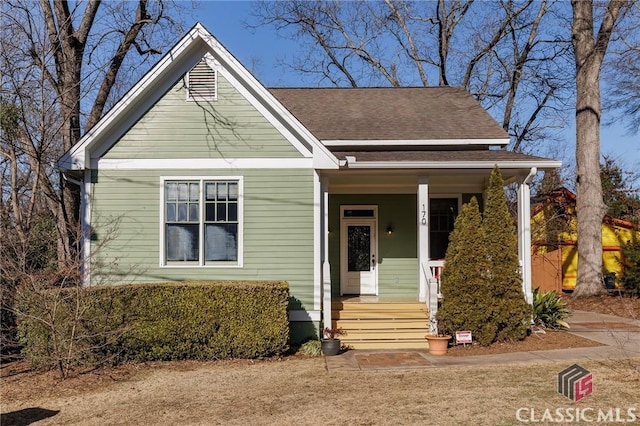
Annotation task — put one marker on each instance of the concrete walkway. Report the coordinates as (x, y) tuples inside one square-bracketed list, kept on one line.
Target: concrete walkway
[(621, 337)]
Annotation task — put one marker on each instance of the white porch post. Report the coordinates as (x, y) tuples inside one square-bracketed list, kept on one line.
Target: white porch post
[(423, 238), (524, 234), (85, 214), (326, 270)]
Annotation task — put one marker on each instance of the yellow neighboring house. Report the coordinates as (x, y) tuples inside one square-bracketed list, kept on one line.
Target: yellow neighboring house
[(554, 239)]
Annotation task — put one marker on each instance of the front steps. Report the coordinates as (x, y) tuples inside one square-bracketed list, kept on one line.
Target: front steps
[(381, 325)]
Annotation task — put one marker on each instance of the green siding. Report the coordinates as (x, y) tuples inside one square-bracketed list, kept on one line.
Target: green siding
[(397, 253), (227, 128), (278, 229)]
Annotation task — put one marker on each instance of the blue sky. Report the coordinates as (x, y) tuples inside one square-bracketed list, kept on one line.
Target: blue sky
[(261, 49)]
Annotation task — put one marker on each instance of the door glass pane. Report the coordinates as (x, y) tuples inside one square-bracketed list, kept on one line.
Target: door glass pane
[(359, 248)]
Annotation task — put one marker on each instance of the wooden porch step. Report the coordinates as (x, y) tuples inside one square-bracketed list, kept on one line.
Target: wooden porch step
[(386, 334), (377, 324), (387, 344), (377, 306), (381, 325), (369, 315)]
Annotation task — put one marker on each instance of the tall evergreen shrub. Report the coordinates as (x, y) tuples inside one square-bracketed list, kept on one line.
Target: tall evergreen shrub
[(481, 282), (509, 315), (464, 278)]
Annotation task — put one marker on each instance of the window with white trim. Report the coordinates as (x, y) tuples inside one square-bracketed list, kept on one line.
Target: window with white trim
[(202, 222), (202, 82)]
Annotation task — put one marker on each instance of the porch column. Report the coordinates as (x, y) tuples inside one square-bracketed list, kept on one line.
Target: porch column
[(423, 238), (524, 234), (326, 270)]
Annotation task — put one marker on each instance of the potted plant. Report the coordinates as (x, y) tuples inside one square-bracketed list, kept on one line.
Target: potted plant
[(331, 344), (438, 343)]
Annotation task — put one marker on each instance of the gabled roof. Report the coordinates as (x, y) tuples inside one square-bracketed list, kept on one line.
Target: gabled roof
[(410, 115), (179, 60)]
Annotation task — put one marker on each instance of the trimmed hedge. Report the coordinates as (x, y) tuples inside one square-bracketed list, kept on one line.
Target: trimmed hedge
[(174, 321)]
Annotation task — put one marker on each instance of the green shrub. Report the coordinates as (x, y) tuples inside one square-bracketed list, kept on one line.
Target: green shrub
[(174, 321), (312, 348), (630, 262), (509, 313), (549, 310), (464, 283), (481, 281)]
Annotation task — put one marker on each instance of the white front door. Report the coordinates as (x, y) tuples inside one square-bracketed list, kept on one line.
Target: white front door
[(358, 266)]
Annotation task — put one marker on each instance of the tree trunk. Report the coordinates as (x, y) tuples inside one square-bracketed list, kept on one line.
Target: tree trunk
[(590, 207)]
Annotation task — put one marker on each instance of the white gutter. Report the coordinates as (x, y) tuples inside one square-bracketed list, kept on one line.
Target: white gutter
[(486, 164), (414, 142)]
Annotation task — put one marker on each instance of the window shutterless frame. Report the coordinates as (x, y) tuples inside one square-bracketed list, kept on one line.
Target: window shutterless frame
[(207, 208)]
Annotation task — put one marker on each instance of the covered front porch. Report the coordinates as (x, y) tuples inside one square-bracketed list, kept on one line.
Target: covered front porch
[(384, 237)]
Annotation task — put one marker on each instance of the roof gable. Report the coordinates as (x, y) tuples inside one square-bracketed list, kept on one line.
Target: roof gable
[(161, 77)]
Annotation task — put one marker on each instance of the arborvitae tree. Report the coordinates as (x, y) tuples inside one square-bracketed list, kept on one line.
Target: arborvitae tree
[(509, 314), (464, 282)]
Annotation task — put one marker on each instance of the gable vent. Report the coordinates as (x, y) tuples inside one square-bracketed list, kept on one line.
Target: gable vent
[(202, 82)]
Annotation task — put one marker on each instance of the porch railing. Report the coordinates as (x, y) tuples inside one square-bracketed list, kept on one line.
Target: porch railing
[(432, 271)]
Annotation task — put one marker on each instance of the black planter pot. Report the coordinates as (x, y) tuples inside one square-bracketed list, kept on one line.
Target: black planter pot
[(330, 347)]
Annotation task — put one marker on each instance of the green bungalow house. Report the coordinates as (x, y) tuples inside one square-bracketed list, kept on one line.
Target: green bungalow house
[(201, 173)]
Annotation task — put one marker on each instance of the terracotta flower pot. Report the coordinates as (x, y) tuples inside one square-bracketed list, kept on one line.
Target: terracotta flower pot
[(438, 344)]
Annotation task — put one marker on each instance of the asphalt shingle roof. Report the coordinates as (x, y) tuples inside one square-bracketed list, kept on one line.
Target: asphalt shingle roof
[(398, 113)]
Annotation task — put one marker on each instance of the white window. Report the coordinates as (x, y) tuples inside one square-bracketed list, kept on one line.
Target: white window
[(202, 82), (202, 222)]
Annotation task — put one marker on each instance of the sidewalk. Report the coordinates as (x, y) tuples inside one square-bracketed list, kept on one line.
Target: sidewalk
[(621, 337)]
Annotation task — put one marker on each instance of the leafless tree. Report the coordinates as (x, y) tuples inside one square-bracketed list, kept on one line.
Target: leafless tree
[(502, 52), (622, 73), (61, 64), (589, 51)]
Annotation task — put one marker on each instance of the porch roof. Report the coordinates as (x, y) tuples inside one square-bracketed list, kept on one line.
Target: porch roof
[(444, 159)]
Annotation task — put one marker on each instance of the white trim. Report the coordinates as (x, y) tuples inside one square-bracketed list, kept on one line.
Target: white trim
[(524, 233), (255, 89), (77, 156), (317, 241), (85, 214), (201, 264), (423, 235), (485, 164), (202, 163), (414, 142), (191, 44), (302, 315), (326, 268), (370, 221)]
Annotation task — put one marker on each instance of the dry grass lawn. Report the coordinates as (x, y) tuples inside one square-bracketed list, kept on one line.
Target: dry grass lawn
[(298, 390)]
